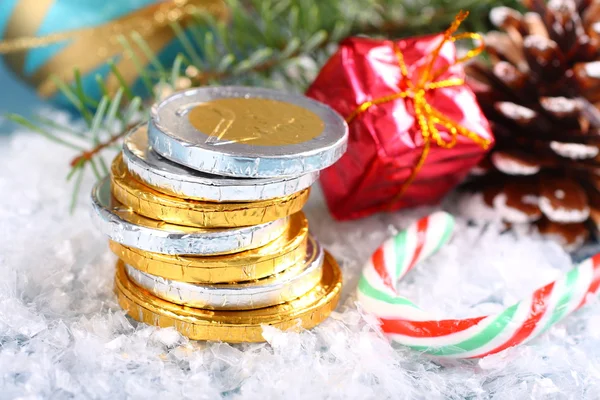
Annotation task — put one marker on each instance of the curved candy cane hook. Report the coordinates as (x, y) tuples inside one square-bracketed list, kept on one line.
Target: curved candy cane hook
[(406, 324)]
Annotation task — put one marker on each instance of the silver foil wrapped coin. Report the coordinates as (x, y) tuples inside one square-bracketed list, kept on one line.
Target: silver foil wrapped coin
[(177, 180), (124, 226), (276, 289), (247, 132)]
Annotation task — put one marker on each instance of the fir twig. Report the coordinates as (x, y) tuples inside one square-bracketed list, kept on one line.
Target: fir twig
[(88, 155)]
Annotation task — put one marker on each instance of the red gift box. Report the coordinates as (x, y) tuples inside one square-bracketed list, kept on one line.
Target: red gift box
[(382, 87)]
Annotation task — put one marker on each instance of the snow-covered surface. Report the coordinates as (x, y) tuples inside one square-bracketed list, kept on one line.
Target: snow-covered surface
[(62, 335)]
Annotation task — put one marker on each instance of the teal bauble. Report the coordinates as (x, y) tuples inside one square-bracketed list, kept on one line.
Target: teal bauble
[(46, 38)]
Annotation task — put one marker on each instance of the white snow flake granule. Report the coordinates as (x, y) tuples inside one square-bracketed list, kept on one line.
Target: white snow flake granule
[(511, 166), (563, 214), (515, 111), (592, 69)]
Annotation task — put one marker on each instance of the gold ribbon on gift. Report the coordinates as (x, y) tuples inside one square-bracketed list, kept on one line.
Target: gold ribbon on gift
[(427, 116), (88, 48)]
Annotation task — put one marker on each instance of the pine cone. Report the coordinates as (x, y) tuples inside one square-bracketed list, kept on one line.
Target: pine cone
[(541, 95)]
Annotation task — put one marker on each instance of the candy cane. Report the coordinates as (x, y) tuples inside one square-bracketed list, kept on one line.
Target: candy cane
[(406, 324)]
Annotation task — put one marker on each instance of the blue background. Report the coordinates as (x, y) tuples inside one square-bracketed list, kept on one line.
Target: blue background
[(15, 96)]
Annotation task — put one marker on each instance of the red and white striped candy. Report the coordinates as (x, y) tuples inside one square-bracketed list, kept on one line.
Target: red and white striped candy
[(405, 323)]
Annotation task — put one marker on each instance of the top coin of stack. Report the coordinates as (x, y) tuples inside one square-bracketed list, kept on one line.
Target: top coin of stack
[(204, 212)]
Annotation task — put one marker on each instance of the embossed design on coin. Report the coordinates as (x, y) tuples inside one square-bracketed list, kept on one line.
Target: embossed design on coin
[(255, 121), (246, 132)]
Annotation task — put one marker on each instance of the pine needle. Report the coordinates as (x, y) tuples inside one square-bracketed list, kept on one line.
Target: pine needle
[(102, 165), (18, 119), (97, 120), (117, 74), (77, 101), (137, 62), (150, 55), (95, 169), (115, 105), (187, 45), (76, 188), (41, 121)]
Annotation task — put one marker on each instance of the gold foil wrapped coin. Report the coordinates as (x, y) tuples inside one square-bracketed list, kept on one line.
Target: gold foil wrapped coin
[(153, 204), (287, 285), (280, 254), (124, 226), (232, 326)]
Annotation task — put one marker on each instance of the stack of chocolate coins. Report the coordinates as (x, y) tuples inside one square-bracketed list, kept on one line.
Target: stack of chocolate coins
[(203, 209)]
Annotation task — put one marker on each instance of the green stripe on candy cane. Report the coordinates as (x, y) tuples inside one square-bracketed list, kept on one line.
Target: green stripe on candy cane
[(448, 229), (400, 243), (473, 337), (421, 244), (366, 288), (420, 240), (477, 341), (563, 305)]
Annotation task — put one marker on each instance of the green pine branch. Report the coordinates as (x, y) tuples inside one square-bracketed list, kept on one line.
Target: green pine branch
[(270, 43)]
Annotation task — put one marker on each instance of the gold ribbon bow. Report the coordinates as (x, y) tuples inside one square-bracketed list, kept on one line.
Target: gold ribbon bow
[(88, 48), (427, 116)]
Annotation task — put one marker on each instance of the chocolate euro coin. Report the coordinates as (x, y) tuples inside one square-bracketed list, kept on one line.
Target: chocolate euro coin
[(276, 256), (232, 326), (153, 204), (287, 285), (126, 227), (168, 177), (247, 132)]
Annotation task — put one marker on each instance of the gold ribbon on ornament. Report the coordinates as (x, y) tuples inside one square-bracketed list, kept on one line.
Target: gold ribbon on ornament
[(427, 116), (91, 47)]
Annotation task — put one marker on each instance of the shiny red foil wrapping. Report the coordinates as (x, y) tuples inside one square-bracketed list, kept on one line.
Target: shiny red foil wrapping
[(385, 141)]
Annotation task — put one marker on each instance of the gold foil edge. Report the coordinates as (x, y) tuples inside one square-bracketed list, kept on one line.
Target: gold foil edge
[(232, 326), (156, 205), (283, 252)]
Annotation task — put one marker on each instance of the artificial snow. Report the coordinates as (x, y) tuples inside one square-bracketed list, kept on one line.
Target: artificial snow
[(499, 15), (511, 214), (513, 166), (515, 111), (559, 105), (592, 69), (576, 151), (539, 42), (62, 334), (562, 214)]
